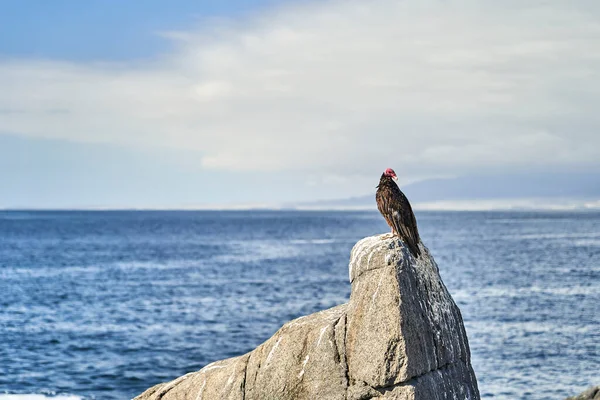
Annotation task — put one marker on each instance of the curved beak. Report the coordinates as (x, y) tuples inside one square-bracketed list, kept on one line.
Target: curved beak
[(395, 178)]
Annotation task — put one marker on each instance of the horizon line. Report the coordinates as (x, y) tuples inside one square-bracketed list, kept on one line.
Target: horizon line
[(301, 209)]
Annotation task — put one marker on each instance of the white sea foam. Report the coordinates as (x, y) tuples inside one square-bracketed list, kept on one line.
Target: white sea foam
[(587, 243)]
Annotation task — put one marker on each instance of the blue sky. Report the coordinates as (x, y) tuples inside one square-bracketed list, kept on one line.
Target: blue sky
[(105, 29), (217, 103)]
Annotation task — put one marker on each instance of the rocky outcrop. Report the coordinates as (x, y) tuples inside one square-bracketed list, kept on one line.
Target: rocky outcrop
[(590, 394), (401, 336)]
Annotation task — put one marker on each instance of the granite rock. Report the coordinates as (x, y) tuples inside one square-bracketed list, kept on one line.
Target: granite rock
[(401, 336)]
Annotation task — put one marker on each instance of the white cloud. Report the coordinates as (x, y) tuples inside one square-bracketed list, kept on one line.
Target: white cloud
[(342, 88)]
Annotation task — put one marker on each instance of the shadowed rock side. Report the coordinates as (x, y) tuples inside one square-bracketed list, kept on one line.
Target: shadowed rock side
[(400, 336)]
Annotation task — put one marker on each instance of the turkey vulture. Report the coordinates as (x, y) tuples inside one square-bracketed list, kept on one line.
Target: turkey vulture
[(396, 210)]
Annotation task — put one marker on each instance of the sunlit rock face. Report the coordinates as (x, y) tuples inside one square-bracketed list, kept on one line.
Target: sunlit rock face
[(401, 336)]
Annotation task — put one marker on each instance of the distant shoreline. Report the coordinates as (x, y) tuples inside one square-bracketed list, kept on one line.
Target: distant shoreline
[(300, 209)]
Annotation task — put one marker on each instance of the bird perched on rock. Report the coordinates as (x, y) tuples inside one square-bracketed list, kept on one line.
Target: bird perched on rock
[(396, 210)]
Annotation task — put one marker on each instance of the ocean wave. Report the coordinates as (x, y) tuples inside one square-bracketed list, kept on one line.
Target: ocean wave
[(312, 241), (570, 235), (587, 243), (576, 290)]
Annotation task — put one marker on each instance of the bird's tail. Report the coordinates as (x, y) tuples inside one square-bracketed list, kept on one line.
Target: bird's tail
[(414, 249)]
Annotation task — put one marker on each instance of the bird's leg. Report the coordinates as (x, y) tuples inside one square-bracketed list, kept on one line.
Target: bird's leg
[(388, 235)]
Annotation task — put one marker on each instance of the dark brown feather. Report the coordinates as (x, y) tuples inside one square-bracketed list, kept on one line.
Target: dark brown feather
[(398, 213)]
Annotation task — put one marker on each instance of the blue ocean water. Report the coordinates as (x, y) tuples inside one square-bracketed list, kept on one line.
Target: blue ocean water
[(102, 305)]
